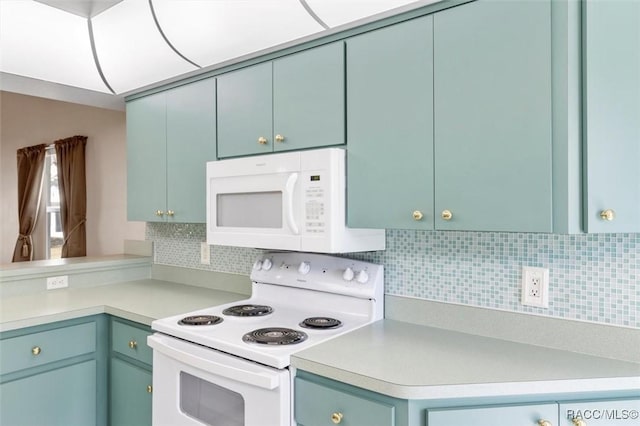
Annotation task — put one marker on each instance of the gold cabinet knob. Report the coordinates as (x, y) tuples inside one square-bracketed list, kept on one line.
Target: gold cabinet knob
[(336, 418), (36, 350), (159, 213), (608, 215), (417, 215), (446, 215), (262, 140), (133, 344), (149, 389), (578, 422), (544, 423), (279, 138), (170, 213)]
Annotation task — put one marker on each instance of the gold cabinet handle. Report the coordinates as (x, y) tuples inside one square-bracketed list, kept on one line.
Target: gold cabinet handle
[(36, 350), (544, 423), (417, 215), (578, 422), (262, 140), (608, 215), (279, 138), (446, 215), (133, 344), (336, 418), (149, 389), (159, 213), (170, 213)]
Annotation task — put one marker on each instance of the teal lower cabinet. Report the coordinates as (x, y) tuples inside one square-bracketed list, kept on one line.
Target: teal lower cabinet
[(521, 415), (54, 374), (130, 383), (320, 401)]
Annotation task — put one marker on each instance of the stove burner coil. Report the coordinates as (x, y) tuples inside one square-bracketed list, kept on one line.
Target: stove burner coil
[(200, 320), (321, 323), (275, 336), (248, 310)]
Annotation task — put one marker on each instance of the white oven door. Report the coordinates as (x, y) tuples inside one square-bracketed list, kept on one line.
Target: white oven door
[(194, 385)]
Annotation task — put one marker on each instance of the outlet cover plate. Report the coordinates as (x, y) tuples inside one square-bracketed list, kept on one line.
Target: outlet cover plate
[(54, 283), (535, 286), (205, 253)]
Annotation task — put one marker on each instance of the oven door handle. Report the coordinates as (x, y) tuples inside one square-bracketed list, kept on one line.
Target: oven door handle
[(205, 359)]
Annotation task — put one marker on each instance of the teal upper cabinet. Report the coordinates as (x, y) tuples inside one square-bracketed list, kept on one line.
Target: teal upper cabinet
[(146, 157), (308, 98), (492, 100), (291, 103), (244, 111), (611, 113), (390, 126), (170, 137)]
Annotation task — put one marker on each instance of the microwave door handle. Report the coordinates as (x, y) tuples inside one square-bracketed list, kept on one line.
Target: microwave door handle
[(289, 187)]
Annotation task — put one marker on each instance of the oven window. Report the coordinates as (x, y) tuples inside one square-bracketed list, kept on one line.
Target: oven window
[(209, 403), (250, 210)]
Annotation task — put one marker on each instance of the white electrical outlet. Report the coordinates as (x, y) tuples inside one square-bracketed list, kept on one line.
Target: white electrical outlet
[(57, 282), (535, 286), (205, 253)]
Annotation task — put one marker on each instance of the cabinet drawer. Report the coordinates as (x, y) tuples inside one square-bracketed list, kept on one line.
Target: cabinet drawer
[(520, 415), (315, 405), (131, 341), (601, 413), (40, 348)]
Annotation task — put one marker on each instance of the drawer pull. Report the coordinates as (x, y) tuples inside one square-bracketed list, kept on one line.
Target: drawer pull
[(36, 350), (417, 215), (262, 140), (544, 423), (336, 418), (446, 215), (149, 388), (578, 422), (279, 138), (133, 344)]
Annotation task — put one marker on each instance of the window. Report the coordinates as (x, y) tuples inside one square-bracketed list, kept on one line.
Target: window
[(53, 228)]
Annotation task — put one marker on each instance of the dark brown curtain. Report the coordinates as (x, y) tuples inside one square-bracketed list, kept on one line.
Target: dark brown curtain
[(72, 184), (30, 173)]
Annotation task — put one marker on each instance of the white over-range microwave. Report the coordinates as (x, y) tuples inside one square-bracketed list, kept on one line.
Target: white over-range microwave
[(290, 201)]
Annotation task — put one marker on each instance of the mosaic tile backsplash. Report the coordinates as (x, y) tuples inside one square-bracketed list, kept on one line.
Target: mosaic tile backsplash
[(592, 277)]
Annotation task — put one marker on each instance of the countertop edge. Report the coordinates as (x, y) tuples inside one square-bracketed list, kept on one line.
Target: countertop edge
[(470, 390)]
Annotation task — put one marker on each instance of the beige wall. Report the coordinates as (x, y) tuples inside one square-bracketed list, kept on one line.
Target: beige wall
[(28, 120)]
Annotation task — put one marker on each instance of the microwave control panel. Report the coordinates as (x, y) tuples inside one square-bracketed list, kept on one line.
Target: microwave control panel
[(315, 187)]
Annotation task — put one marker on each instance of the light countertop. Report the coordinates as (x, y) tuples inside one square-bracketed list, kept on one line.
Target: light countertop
[(412, 361), (141, 301)]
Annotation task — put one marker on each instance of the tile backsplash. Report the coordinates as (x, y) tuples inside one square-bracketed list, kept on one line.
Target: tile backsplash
[(593, 277)]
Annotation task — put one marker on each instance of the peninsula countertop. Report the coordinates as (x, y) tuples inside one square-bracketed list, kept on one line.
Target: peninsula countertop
[(141, 301)]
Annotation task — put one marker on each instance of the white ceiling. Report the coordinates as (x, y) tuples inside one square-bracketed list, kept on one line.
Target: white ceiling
[(119, 46)]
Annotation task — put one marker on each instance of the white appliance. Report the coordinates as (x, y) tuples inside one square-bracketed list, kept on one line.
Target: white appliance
[(229, 365), (290, 201)]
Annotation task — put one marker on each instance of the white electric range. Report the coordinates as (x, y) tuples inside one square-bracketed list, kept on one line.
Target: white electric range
[(228, 365)]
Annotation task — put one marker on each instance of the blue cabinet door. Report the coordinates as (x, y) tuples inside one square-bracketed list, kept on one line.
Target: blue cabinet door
[(61, 397), (146, 158), (390, 126), (245, 111), (611, 114), (130, 394), (308, 98), (516, 415), (191, 142), (492, 98)]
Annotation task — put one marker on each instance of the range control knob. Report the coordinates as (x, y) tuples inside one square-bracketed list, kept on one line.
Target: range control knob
[(257, 265), (362, 277), (304, 268), (267, 264), (348, 274)]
